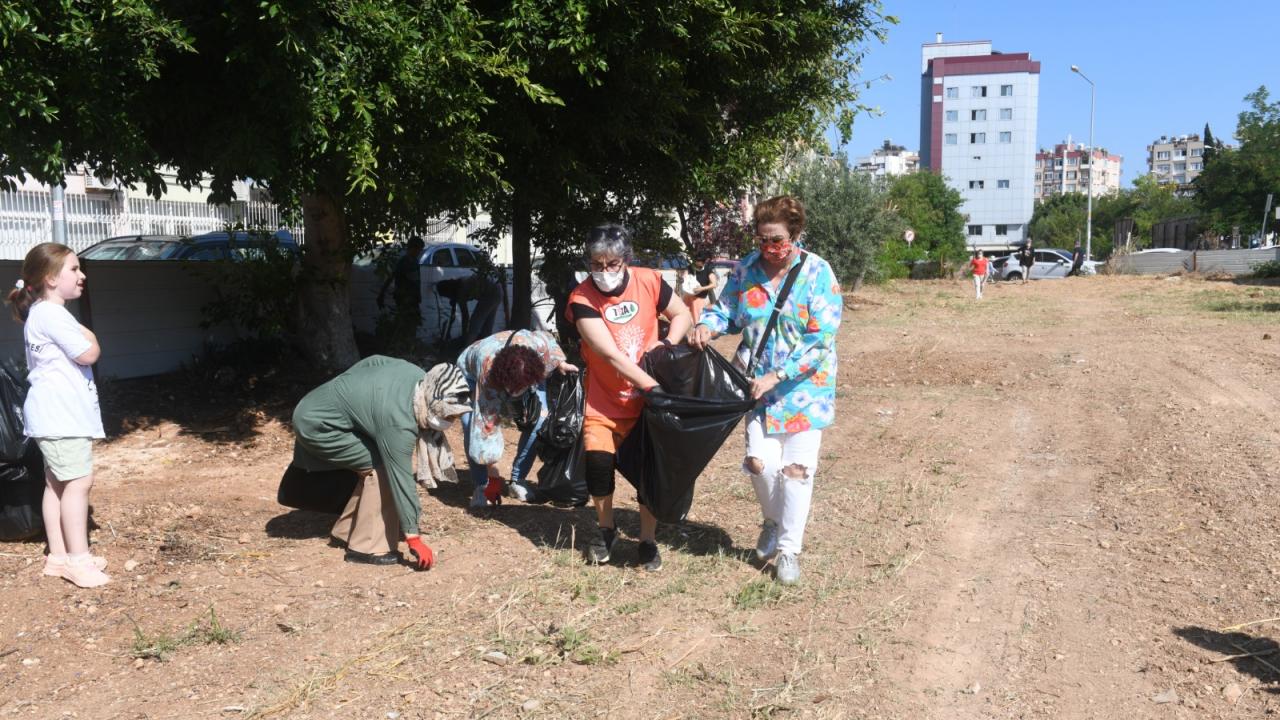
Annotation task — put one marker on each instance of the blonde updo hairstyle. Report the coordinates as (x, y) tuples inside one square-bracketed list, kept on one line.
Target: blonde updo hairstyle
[(43, 262)]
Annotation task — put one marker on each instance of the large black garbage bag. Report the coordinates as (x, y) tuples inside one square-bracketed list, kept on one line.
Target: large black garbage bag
[(21, 490), (324, 491), (562, 479), (13, 393), (683, 425)]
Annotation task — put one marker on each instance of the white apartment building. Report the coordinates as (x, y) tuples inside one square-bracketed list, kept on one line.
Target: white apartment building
[(978, 128), (889, 160), (1176, 160), (1070, 167)]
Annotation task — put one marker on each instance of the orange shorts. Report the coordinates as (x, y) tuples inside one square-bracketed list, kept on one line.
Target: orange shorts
[(603, 434)]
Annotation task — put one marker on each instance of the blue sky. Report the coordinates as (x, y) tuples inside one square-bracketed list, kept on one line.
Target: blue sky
[(1162, 68)]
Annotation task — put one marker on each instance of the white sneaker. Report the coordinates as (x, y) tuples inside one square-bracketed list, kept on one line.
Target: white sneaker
[(787, 570), (520, 491), (767, 543), (478, 500)]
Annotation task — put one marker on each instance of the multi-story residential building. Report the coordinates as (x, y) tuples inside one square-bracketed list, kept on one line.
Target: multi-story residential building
[(1070, 167), (1177, 160), (890, 160), (978, 128)]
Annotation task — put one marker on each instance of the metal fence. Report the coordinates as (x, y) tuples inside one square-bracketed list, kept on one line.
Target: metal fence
[(25, 220), (1232, 262)]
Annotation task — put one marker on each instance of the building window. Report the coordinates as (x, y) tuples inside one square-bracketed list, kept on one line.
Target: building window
[(1179, 167), (977, 114), (975, 229), (1002, 230), (1162, 168), (1006, 137), (1180, 179), (1006, 113), (1162, 155), (1037, 177), (949, 138), (1006, 91), (977, 138), (1197, 152), (1004, 184), (1180, 153), (953, 92), (977, 184), (1073, 161), (953, 115), (1071, 188), (979, 91), (1071, 175), (1197, 166), (1057, 162)]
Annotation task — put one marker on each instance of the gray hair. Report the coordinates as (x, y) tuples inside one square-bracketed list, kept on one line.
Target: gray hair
[(611, 240)]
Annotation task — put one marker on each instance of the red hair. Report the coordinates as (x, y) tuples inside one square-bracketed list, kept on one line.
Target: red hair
[(516, 367)]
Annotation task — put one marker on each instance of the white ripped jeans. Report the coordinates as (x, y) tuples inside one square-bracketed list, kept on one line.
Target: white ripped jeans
[(785, 487)]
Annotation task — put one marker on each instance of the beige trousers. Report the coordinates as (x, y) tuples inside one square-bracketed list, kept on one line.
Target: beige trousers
[(369, 523)]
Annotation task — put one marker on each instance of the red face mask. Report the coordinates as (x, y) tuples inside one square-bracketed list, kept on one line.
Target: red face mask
[(777, 252)]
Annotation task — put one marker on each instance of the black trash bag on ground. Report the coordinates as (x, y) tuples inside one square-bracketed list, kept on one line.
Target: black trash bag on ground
[(21, 490), (562, 479), (323, 491), (683, 425), (13, 393)]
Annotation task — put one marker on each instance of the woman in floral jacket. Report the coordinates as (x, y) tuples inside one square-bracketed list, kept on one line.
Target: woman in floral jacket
[(795, 377)]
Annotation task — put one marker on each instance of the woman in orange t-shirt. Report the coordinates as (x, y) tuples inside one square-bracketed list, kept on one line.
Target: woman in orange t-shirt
[(616, 312), (979, 267)]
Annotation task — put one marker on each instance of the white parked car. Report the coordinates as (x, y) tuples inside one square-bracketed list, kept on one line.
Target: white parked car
[(1050, 263)]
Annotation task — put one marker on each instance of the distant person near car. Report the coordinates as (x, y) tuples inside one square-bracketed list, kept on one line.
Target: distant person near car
[(1077, 259), (707, 281), (979, 267), (1027, 259), (406, 283)]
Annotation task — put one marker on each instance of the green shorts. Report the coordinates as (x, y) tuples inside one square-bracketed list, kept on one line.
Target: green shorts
[(67, 458)]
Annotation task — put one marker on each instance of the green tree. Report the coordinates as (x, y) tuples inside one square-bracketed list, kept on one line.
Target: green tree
[(931, 208), (1059, 220), (1232, 189), (1153, 203), (663, 104), (849, 214)]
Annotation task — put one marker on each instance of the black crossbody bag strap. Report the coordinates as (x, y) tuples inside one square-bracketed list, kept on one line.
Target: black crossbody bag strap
[(777, 310)]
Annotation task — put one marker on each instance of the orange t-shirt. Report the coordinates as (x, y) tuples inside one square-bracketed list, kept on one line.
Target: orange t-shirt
[(979, 266), (631, 314)]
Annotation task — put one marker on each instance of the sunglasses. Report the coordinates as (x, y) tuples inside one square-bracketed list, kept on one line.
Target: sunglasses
[(771, 239), (612, 266)]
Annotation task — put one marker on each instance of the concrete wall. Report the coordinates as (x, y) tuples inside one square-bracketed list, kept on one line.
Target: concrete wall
[(1234, 262)]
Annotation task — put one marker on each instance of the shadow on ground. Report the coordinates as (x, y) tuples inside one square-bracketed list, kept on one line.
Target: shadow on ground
[(1261, 656)]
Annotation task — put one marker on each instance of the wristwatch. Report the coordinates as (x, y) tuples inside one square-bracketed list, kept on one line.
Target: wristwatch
[(781, 375)]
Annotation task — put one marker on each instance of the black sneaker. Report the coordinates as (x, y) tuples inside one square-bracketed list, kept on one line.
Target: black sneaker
[(650, 558), (600, 547), (353, 556)]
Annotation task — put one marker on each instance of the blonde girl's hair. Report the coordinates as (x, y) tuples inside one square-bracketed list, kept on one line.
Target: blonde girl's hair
[(43, 261)]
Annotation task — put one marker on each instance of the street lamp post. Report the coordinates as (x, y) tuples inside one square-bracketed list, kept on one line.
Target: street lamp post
[(1088, 232)]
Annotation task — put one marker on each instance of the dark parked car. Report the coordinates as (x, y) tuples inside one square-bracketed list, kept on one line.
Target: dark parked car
[(207, 246)]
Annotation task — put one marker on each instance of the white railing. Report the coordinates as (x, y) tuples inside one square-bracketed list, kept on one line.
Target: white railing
[(25, 221)]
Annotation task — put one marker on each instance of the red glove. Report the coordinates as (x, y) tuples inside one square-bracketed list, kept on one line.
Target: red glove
[(493, 491), (423, 553)]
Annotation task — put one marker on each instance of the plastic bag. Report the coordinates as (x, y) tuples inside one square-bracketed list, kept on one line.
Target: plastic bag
[(13, 393), (21, 490), (324, 491), (683, 426), (562, 479)]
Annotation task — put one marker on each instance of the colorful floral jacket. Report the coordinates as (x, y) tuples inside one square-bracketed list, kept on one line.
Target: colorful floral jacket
[(803, 344), (488, 404)]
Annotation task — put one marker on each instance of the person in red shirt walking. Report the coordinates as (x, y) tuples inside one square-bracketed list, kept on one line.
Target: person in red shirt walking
[(979, 267)]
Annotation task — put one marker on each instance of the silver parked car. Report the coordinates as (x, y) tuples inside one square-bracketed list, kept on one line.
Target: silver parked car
[(1051, 263)]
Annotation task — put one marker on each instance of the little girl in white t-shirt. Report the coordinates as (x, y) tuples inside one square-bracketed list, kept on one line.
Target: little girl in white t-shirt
[(61, 411)]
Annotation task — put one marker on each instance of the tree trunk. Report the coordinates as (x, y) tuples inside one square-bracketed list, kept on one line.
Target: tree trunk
[(521, 263), (324, 302)]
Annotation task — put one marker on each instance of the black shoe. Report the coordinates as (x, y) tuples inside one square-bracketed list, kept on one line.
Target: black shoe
[(336, 543), (390, 558), (650, 558), (601, 546)]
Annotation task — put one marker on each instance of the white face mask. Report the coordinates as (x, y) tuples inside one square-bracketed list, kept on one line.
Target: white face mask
[(608, 281), (437, 423)]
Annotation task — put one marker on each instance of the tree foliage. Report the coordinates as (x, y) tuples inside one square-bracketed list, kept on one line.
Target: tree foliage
[(1061, 220), (930, 207), (848, 212), (1232, 189)]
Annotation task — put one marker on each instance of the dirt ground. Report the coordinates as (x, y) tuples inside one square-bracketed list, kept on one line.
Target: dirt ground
[(1053, 503)]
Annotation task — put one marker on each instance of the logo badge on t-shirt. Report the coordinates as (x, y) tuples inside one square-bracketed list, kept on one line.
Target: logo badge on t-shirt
[(621, 313)]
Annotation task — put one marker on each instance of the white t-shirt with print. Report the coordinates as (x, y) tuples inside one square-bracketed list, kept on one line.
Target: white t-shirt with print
[(63, 399)]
